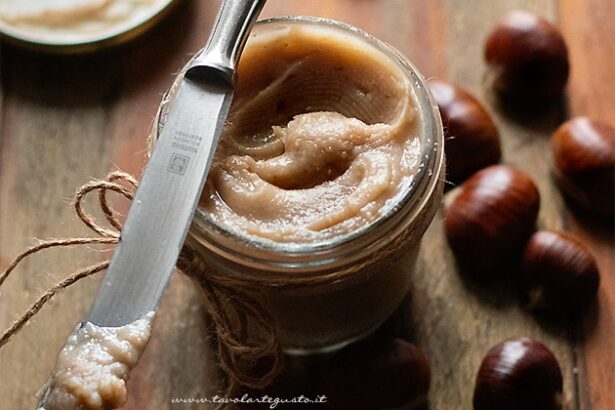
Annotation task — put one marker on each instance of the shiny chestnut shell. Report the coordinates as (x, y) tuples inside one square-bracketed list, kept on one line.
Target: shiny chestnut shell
[(559, 273), (488, 223), (528, 57), (519, 373), (471, 137), (376, 374), (584, 162)]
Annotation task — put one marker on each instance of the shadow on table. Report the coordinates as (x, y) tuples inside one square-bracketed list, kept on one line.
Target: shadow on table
[(542, 116), (376, 373), (497, 289)]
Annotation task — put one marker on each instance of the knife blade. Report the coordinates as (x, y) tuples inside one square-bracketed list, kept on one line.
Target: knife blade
[(103, 349), (161, 211), (160, 215)]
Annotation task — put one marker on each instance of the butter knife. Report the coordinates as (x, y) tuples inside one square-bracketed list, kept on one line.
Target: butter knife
[(164, 204)]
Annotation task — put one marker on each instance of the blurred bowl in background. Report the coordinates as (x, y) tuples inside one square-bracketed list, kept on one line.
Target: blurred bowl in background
[(73, 26)]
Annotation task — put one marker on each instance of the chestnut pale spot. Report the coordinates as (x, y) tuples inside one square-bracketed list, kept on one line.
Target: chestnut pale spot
[(519, 373), (489, 222), (528, 57), (584, 161), (471, 139), (377, 374), (559, 273)]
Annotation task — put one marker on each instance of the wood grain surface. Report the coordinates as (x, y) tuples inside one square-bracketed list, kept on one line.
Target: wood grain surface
[(66, 119)]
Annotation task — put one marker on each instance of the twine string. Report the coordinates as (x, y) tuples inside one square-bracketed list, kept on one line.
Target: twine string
[(245, 335), (232, 311), (50, 293)]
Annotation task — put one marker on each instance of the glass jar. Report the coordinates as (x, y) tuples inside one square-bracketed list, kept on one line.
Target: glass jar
[(327, 294)]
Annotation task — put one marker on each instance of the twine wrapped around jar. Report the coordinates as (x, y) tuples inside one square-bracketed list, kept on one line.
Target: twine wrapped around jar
[(245, 334)]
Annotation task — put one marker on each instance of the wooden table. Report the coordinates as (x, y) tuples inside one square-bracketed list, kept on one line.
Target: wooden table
[(66, 119)]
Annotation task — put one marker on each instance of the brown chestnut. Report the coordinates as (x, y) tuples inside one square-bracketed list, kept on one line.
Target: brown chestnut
[(519, 373), (558, 273), (374, 375), (490, 220), (528, 57), (471, 138), (584, 159)]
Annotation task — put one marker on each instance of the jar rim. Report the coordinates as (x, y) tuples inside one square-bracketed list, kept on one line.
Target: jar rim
[(414, 199)]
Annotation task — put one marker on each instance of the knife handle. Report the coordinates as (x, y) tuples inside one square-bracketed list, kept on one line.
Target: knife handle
[(229, 36)]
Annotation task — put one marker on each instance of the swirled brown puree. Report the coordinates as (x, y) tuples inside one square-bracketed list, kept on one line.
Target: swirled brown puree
[(321, 139)]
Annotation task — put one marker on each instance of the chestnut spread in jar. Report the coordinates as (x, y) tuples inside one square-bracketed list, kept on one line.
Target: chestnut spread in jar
[(321, 139)]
